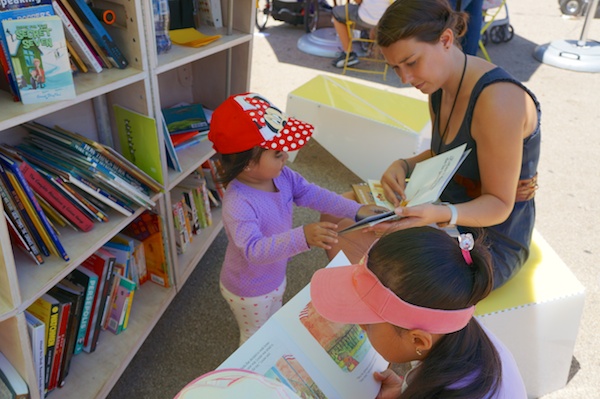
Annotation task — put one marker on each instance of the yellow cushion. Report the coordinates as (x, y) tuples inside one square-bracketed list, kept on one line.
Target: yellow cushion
[(543, 278), (365, 101)]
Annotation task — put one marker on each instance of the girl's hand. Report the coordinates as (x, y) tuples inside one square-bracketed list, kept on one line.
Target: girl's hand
[(393, 182), (369, 210), (391, 384), (321, 234)]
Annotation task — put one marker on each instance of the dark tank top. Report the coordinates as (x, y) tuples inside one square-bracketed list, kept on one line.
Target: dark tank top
[(510, 240)]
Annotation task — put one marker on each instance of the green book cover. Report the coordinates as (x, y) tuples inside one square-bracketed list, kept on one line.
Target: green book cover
[(138, 138)]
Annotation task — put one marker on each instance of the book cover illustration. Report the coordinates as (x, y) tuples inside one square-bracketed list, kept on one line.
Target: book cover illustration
[(139, 141), (40, 59), (185, 118)]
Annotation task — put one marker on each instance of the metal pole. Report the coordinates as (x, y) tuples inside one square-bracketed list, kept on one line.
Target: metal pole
[(591, 11)]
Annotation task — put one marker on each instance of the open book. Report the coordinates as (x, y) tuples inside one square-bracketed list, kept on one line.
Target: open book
[(426, 183), (311, 355)]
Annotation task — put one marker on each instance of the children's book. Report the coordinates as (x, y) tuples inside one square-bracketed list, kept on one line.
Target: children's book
[(311, 355), (427, 181), (208, 13), (185, 118), (12, 384), (37, 335), (138, 141), (172, 158), (40, 59)]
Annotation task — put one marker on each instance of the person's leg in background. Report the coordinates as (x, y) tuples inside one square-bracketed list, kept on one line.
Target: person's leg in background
[(339, 23), (470, 42)]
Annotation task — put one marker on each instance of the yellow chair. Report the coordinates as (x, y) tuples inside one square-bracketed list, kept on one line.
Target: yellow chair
[(372, 50)]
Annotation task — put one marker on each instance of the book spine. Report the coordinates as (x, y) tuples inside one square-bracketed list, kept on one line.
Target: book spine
[(8, 72), (38, 344), (100, 34), (82, 203), (77, 40), (107, 284), (51, 343), (45, 189), (38, 209), (23, 212), (15, 216), (100, 194), (89, 282), (59, 348)]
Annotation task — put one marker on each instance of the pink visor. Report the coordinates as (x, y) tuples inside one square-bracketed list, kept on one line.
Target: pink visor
[(354, 295)]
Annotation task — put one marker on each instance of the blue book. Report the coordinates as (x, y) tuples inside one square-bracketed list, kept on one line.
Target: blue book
[(89, 280), (185, 118), (99, 33), (39, 59)]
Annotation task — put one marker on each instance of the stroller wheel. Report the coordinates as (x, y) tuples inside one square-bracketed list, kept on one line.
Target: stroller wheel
[(509, 33), (497, 34), (263, 10), (484, 38), (571, 7)]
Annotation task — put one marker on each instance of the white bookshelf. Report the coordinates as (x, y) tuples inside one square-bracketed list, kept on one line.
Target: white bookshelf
[(151, 82)]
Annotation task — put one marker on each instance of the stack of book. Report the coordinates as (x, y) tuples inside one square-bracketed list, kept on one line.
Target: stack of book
[(74, 39), (59, 178)]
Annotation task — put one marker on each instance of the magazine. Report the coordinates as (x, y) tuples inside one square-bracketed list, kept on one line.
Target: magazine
[(311, 355)]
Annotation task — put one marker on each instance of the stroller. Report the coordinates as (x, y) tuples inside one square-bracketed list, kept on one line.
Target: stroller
[(294, 12), (496, 22)]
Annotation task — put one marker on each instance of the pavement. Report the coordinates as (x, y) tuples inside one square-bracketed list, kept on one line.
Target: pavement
[(569, 177)]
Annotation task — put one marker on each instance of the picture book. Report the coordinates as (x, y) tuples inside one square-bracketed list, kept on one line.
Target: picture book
[(314, 357), (12, 384), (138, 140), (99, 33), (172, 158), (208, 13), (426, 183), (64, 315), (40, 59), (119, 304), (37, 335), (89, 280), (148, 229), (46, 308), (185, 118)]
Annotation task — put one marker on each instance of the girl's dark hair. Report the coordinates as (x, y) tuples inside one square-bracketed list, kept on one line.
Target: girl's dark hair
[(424, 20), (234, 164), (425, 266)]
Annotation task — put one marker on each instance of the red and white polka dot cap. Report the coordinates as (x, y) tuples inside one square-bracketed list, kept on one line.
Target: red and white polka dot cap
[(247, 120)]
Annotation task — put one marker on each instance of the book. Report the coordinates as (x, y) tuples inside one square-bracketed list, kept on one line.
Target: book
[(182, 237), (64, 314), (46, 308), (138, 140), (31, 10), (148, 229), (363, 194), (426, 183), (93, 25), (101, 263), (77, 40), (213, 168), (185, 118), (172, 158), (66, 290), (89, 281), (311, 354), (60, 202), (122, 253), (77, 63), (39, 56), (45, 229), (37, 335), (120, 304), (13, 214), (12, 384), (209, 13)]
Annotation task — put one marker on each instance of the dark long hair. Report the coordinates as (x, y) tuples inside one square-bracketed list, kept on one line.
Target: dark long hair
[(425, 266), (234, 164), (424, 20)]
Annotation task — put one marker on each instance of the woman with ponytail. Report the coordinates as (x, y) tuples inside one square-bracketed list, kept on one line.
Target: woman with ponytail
[(414, 294)]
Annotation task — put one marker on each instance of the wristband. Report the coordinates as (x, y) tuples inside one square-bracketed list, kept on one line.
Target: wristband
[(407, 167), (453, 212)]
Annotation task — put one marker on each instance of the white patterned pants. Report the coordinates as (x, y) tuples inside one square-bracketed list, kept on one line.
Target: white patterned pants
[(252, 312)]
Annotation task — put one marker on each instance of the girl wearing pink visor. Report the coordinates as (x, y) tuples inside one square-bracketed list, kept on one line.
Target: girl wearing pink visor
[(414, 295)]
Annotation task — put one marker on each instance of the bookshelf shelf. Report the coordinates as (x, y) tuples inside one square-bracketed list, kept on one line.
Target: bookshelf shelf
[(151, 82)]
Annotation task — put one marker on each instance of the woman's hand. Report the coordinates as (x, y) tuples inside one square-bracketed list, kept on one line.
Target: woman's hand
[(414, 216), (321, 234), (391, 384), (393, 182), (369, 210)]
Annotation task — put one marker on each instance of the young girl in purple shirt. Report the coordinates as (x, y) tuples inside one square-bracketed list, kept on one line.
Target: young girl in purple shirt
[(253, 138)]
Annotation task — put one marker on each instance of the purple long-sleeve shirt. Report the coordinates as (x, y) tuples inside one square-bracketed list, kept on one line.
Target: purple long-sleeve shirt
[(259, 229)]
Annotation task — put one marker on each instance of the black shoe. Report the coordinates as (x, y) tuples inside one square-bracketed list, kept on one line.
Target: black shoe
[(341, 60)]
